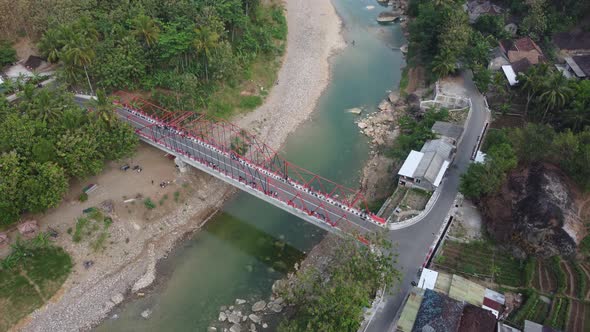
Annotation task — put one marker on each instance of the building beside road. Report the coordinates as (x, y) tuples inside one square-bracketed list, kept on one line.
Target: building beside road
[(426, 168), (445, 302)]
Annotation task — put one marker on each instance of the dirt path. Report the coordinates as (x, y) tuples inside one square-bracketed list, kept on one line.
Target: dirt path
[(587, 272), (570, 288), (576, 317), (540, 276), (549, 284), (32, 283)]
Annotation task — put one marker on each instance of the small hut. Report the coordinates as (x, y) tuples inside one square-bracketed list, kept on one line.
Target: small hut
[(3, 239), (28, 228)]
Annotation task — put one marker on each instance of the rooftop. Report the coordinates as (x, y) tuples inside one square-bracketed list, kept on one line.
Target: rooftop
[(411, 163), (447, 129), (510, 75), (572, 41), (438, 312), (524, 44), (583, 64), (477, 319), (522, 48)]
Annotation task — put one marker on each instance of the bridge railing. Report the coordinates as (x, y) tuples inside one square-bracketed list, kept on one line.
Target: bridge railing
[(220, 134)]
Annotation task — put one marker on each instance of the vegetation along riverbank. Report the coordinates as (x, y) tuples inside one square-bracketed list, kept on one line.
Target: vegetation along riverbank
[(218, 58)]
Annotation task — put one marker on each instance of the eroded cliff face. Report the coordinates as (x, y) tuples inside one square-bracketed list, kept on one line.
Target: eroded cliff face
[(535, 212)]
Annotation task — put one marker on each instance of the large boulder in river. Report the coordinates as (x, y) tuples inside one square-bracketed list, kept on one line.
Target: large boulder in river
[(536, 211), (258, 306)]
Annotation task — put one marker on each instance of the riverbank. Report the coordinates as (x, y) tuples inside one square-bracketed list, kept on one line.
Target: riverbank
[(89, 295)]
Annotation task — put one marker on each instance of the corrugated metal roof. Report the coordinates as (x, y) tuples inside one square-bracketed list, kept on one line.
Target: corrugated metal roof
[(440, 146), (495, 296), (441, 173), (411, 163), (410, 311), (447, 129), (443, 283), (427, 279), (466, 290), (438, 312), (574, 66), (510, 75)]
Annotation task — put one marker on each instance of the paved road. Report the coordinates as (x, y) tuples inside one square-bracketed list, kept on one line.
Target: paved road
[(413, 242), (285, 193)]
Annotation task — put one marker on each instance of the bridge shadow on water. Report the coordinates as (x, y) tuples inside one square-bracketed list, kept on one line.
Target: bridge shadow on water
[(244, 237)]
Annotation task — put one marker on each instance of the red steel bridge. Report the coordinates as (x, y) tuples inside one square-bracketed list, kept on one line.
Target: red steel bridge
[(231, 154)]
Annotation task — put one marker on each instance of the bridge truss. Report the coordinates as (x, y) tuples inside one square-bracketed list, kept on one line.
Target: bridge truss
[(269, 166)]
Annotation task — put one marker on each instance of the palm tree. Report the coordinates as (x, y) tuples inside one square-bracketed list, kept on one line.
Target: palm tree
[(78, 53), (205, 41), (531, 82), (555, 93), (444, 64), (578, 115), (103, 108), (45, 107), (145, 28), (50, 45)]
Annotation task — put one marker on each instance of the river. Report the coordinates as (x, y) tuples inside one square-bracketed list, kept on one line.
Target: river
[(244, 249)]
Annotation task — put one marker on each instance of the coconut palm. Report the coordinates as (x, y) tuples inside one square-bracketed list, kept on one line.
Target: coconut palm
[(205, 41), (50, 45), (555, 92), (532, 82), (103, 108), (443, 64), (79, 53), (145, 28), (45, 107)]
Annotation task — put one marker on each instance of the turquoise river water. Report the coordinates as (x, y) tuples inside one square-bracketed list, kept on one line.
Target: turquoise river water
[(244, 249)]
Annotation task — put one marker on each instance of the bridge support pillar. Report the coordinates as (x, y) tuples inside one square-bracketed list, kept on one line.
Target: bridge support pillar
[(182, 166)]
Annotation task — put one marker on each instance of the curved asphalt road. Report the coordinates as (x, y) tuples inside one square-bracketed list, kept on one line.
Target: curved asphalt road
[(413, 242)]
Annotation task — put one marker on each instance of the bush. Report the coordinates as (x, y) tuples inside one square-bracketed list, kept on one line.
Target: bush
[(585, 245), (83, 197), (250, 102), (529, 271), (7, 53), (559, 273), (149, 204), (581, 285)]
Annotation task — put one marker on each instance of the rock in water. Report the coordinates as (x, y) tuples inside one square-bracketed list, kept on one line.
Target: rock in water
[(255, 318), (240, 301), (275, 307), (211, 329), (258, 306), (235, 328), (535, 211), (393, 97), (146, 313), (117, 298), (355, 110), (252, 327), (362, 125), (264, 325), (222, 316), (233, 318)]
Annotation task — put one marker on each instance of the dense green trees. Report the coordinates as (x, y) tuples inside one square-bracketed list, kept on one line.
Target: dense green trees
[(47, 138), (533, 143), (181, 51), (486, 178), (442, 39), (7, 53), (555, 100), (336, 303), (415, 132)]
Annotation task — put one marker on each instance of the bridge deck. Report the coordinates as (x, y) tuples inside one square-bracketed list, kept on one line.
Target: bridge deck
[(225, 164)]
